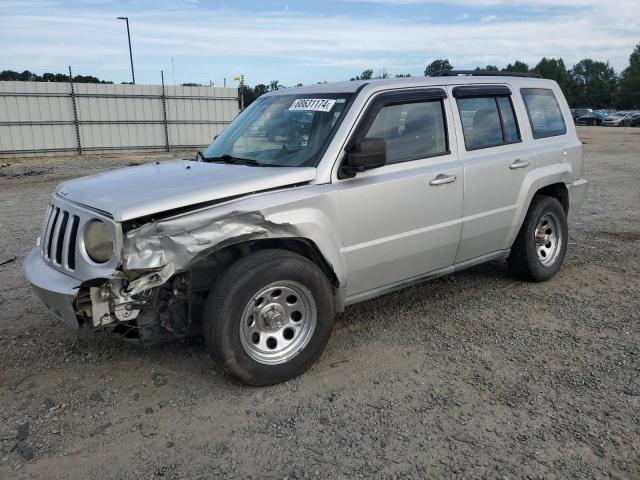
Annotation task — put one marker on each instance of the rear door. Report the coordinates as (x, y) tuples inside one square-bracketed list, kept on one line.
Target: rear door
[(402, 220), (497, 166)]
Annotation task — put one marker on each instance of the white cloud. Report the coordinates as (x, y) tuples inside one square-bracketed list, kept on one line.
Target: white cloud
[(286, 41)]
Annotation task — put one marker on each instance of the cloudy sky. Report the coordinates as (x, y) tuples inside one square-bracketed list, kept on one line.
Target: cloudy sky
[(306, 41)]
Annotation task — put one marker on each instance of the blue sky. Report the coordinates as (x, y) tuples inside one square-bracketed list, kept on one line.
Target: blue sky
[(306, 41)]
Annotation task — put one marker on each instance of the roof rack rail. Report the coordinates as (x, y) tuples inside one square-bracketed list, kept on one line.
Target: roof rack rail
[(483, 73)]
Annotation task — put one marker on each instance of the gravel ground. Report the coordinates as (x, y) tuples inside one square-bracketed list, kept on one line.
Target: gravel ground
[(475, 375)]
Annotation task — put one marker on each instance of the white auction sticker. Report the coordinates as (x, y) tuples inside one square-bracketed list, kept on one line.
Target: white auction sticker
[(313, 104)]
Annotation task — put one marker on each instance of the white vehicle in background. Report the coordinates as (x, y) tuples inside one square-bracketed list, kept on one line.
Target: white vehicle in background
[(615, 119), (355, 190)]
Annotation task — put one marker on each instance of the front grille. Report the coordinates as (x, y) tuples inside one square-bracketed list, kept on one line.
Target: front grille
[(59, 237)]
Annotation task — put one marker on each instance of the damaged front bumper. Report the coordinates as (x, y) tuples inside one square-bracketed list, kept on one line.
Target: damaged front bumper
[(56, 290), (122, 306)]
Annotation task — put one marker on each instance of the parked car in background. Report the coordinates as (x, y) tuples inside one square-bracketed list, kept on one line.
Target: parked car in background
[(588, 119), (578, 112), (614, 120), (631, 120), (593, 118)]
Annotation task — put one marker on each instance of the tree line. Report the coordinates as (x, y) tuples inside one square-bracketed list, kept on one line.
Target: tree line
[(589, 83), (27, 76)]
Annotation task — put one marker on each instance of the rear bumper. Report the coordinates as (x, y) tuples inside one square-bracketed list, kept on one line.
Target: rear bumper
[(577, 194), (56, 290)]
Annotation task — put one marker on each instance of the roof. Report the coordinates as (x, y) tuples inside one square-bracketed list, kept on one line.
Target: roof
[(353, 86)]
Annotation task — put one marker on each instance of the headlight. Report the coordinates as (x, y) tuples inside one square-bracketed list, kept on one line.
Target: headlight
[(98, 241)]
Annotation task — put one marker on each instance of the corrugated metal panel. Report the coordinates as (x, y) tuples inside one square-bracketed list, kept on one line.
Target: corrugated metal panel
[(37, 117)]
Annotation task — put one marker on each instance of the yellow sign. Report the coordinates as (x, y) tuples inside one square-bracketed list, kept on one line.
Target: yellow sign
[(236, 79)]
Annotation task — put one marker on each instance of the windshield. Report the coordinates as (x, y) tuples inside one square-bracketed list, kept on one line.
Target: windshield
[(281, 131)]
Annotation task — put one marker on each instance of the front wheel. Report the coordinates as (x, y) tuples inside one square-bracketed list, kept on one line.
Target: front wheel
[(269, 317), (541, 244)]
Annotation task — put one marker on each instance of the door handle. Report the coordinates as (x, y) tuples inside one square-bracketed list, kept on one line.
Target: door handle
[(442, 179), (519, 164)]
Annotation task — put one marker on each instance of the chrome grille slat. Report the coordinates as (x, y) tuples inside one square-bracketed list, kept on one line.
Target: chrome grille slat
[(44, 227), (63, 240), (55, 236), (50, 232), (46, 230), (69, 248)]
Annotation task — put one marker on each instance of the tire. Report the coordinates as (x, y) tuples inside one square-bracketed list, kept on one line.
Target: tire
[(244, 301), (531, 256)]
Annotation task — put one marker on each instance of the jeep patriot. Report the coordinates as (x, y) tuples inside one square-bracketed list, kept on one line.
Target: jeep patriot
[(313, 199)]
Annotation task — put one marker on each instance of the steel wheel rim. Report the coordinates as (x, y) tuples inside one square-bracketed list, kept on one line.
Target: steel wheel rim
[(548, 239), (278, 322)]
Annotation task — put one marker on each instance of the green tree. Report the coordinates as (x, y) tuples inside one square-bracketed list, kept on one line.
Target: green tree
[(403, 75), (628, 95), (365, 75), (555, 69), (488, 68), (27, 76), (436, 66), (516, 66), (260, 89), (248, 94), (275, 85), (55, 77), (595, 84)]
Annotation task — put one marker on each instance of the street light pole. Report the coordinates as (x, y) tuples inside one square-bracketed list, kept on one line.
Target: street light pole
[(133, 76)]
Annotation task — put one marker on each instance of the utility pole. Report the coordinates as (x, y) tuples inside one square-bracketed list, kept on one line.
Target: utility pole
[(240, 81), (76, 123), (133, 76)]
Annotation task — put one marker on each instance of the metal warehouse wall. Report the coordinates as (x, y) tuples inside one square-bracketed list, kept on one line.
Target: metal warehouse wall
[(45, 118)]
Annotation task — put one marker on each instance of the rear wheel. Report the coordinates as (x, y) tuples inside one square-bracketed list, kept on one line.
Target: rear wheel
[(541, 245), (269, 317)]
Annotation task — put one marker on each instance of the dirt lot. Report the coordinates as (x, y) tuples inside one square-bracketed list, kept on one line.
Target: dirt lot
[(475, 375)]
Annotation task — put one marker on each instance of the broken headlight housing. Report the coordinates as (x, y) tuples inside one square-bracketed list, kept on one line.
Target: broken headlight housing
[(98, 241)]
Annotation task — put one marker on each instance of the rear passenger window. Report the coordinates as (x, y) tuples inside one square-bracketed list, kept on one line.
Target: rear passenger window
[(544, 112), (411, 130), (488, 121)]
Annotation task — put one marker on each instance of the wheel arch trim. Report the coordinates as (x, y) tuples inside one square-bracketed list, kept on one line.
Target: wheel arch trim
[(551, 180)]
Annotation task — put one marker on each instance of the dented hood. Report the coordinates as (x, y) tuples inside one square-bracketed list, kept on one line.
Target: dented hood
[(138, 191)]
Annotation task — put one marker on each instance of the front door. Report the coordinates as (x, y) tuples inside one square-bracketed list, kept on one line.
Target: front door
[(402, 220)]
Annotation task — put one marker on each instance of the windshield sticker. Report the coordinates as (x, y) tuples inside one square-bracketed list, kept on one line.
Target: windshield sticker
[(313, 104)]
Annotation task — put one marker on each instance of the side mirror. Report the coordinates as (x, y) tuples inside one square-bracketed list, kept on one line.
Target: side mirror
[(368, 153)]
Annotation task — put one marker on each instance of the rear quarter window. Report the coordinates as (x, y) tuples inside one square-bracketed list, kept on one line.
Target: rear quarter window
[(543, 110)]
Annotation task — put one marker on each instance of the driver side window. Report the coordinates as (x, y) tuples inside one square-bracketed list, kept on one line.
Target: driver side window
[(411, 130)]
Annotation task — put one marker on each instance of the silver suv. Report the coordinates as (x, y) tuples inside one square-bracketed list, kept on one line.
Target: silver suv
[(313, 199)]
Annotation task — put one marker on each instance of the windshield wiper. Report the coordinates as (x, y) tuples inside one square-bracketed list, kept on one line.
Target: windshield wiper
[(226, 158)]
